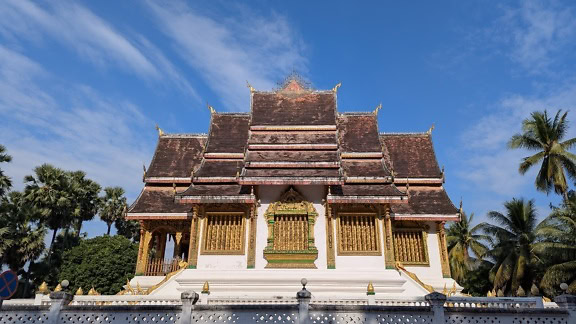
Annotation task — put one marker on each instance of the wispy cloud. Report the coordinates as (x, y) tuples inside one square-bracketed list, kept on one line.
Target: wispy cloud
[(70, 126), (229, 51), (537, 30), (90, 36), (488, 165)]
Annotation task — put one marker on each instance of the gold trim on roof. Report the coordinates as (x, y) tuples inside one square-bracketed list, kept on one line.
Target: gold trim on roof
[(400, 267)]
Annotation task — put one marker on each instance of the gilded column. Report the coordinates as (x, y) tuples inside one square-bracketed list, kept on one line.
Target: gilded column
[(145, 238), (330, 255), (389, 240), (251, 261), (161, 244), (194, 233), (177, 240), (443, 250)]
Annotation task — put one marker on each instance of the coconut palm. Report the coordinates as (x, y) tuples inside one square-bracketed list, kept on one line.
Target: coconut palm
[(558, 247), (113, 206), (49, 192), (5, 181), (545, 135), (513, 241), (462, 238)]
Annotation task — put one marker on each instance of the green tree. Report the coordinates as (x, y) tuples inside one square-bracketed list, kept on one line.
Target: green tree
[(104, 263), (84, 193), (462, 238), (130, 229), (5, 181), (542, 134), (513, 242), (113, 206), (557, 248), (49, 192), (27, 237)]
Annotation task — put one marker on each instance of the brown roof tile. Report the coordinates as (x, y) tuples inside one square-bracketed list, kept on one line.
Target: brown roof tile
[(358, 133), (364, 168), (366, 190), (157, 200), (216, 189), (426, 200), (309, 137), (292, 156), (219, 168), (228, 133), (293, 108), (290, 173), (412, 155), (175, 156)]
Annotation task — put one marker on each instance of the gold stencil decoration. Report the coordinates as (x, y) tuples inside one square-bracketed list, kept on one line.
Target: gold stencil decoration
[(291, 232)]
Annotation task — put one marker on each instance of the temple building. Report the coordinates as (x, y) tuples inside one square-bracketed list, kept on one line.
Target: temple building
[(294, 189)]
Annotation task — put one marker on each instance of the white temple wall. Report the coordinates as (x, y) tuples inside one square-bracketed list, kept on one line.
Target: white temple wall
[(434, 270), (353, 262), (270, 194), (221, 262)]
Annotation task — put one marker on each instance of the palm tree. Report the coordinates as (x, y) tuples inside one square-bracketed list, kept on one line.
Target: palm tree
[(513, 242), (113, 206), (558, 247), (49, 192), (542, 134), (461, 238), (28, 239), (5, 181), (85, 195)]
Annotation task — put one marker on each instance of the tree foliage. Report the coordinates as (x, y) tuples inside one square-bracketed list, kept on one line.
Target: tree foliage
[(461, 238), (5, 181), (113, 206), (103, 262), (545, 135), (513, 240)]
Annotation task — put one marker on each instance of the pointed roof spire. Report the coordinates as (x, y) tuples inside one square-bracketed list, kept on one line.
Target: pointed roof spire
[(335, 89), (250, 87), (375, 112), (429, 131), (160, 131), (212, 110)]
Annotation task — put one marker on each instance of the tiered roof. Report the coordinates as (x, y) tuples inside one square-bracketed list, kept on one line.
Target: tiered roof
[(295, 135)]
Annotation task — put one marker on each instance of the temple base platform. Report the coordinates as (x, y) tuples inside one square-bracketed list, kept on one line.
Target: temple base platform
[(283, 283)]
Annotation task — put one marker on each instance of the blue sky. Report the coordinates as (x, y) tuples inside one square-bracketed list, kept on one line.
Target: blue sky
[(83, 83)]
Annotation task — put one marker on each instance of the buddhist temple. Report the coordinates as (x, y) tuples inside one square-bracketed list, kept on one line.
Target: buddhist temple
[(294, 188)]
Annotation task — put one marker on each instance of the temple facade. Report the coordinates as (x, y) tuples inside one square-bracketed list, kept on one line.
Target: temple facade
[(293, 189)]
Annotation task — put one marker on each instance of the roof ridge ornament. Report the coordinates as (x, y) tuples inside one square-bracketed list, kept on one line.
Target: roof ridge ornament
[(335, 89), (429, 131), (460, 210), (250, 87), (144, 174), (160, 131), (212, 110), (375, 112)]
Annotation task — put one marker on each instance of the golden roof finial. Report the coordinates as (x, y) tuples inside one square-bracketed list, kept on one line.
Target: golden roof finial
[(452, 291), (460, 210), (429, 131), (139, 289), (445, 290), (375, 112), (335, 89), (93, 292), (212, 110), (206, 288), (249, 86), (58, 288), (79, 292), (43, 288), (370, 289), (160, 131)]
